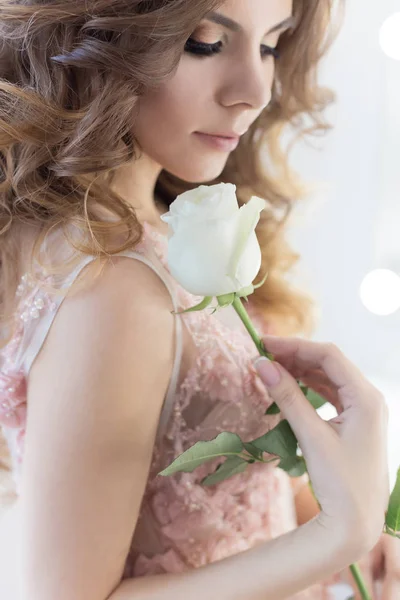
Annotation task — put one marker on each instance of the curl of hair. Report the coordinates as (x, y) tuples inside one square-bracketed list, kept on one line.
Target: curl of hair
[(64, 132)]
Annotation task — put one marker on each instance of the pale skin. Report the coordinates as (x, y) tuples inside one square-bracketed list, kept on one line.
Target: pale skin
[(209, 95), (227, 91), (224, 92), (383, 563)]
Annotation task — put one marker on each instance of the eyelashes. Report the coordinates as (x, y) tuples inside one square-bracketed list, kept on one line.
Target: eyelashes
[(202, 49)]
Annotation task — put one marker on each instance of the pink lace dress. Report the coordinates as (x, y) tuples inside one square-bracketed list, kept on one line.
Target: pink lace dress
[(182, 524)]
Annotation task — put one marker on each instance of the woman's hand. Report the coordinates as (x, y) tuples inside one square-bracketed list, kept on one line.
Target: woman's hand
[(380, 568), (346, 456), (386, 566)]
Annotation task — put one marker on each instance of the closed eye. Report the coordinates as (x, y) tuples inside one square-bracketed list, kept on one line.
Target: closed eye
[(202, 49)]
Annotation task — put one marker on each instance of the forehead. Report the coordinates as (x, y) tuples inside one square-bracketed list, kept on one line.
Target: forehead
[(252, 15)]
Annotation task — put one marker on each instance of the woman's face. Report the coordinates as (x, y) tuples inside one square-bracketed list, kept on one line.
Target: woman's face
[(221, 93)]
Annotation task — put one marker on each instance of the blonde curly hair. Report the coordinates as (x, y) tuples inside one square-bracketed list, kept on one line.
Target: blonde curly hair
[(64, 132)]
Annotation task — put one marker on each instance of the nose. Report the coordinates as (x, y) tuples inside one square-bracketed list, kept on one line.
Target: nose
[(249, 81)]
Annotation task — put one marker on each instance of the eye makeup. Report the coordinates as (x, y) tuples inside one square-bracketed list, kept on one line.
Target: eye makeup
[(202, 49), (196, 45)]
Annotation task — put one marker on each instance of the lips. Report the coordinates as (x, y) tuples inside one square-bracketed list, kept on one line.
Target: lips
[(226, 144), (229, 136)]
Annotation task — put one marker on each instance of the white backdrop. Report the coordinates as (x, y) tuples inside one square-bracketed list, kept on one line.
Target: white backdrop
[(351, 224)]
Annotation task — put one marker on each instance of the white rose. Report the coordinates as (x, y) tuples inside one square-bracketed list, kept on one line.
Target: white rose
[(212, 246)]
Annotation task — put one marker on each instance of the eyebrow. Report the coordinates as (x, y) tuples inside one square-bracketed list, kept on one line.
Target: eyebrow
[(234, 26)]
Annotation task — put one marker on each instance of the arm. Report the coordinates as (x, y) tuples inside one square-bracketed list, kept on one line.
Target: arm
[(95, 393), (270, 571), (309, 553)]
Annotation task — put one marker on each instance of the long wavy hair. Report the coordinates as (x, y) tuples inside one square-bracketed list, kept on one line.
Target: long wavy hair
[(64, 131)]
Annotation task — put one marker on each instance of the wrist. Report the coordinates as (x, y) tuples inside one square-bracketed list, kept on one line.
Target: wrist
[(319, 554), (344, 541)]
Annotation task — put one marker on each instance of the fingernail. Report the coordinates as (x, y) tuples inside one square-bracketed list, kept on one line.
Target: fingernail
[(268, 372)]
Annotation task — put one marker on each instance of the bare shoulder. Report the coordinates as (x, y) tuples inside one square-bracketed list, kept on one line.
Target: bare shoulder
[(95, 394), (125, 310)]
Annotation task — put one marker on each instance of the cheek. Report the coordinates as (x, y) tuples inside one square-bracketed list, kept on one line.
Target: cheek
[(173, 108), (166, 120)]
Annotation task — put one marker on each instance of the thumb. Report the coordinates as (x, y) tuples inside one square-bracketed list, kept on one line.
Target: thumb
[(285, 391)]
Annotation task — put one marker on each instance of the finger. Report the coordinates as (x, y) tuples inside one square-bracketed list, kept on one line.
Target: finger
[(298, 353), (391, 551), (300, 372), (364, 564), (317, 375), (320, 384), (317, 380), (369, 584), (390, 589), (351, 383), (295, 407), (377, 561)]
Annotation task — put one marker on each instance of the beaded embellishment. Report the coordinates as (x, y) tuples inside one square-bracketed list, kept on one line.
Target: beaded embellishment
[(33, 301)]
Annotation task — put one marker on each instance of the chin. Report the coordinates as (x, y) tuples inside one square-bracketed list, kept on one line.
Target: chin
[(199, 175)]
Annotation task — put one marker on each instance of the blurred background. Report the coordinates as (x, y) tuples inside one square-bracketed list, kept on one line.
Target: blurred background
[(348, 231)]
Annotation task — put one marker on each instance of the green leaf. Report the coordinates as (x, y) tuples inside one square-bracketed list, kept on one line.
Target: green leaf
[(256, 452), (315, 399), (393, 511), (295, 466), (232, 466), (304, 388), (226, 299), (273, 409), (225, 444), (203, 304), (390, 532), (280, 440)]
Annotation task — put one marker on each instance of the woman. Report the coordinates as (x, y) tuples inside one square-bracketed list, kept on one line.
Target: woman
[(106, 113)]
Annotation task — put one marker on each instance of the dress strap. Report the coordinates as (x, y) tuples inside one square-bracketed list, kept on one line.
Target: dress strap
[(169, 399), (37, 328)]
